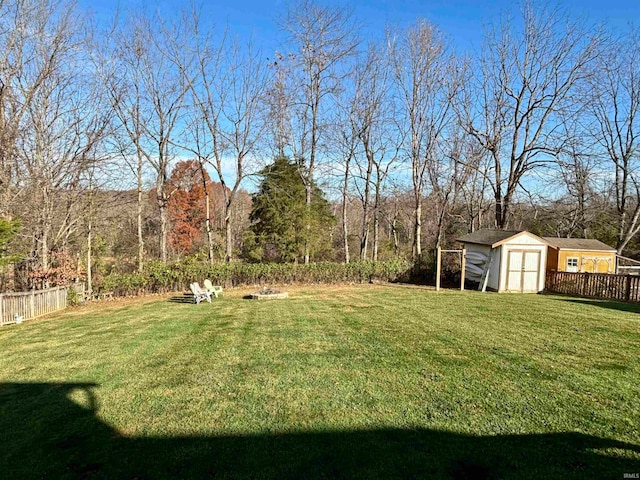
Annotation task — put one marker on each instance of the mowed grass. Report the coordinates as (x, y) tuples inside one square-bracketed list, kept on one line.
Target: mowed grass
[(335, 382)]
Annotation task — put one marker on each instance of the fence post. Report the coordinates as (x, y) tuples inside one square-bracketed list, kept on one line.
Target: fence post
[(463, 267), (627, 290), (33, 304), (1, 309), (438, 260)]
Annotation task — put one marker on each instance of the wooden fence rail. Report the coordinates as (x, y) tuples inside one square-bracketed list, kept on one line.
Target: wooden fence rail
[(26, 305), (625, 288)]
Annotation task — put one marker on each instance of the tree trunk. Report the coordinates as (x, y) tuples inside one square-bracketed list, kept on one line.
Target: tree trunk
[(417, 230), (164, 221), (394, 232), (140, 238), (228, 236), (376, 236), (441, 211), (364, 241), (499, 214), (208, 226), (345, 228), (307, 254), (44, 247), (44, 235), (229, 197), (628, 229), (89, 247), (376, 214), (207, 220)]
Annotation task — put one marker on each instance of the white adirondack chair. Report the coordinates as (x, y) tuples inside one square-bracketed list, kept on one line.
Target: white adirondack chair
[(199, 293), (212, 289)]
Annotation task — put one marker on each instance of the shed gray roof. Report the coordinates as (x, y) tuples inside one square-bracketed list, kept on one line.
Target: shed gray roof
[(488, 236), (579, 244)]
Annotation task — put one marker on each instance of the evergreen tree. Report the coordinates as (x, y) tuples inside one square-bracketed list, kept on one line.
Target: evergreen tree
[(280, 221), (8, 229)]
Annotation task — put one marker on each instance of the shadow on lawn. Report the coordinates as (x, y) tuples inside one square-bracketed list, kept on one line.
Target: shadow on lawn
[(46, 434), (612, 305), (184, 298)]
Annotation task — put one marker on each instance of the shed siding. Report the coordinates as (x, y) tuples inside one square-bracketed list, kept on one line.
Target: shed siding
[(606, 261), (494, 274), (552, 259)]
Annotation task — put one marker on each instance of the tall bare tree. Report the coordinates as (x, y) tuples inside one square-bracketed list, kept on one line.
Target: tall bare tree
[(323, 39), (425, 79), (148, 93), (227, 86), (374, 119), (119, 63), (35, 38), (63, 126), (525, 76), (347, 143), (615, 105)]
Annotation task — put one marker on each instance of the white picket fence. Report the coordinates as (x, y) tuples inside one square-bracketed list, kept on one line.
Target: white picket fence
[(15, 307)]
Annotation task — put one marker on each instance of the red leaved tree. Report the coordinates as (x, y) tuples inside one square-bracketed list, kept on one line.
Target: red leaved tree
[(187, 206)]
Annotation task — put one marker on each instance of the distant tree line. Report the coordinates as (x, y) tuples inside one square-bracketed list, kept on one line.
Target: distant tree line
[(143, 139)]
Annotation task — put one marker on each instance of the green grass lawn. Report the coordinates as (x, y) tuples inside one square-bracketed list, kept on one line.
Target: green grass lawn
[(335, 382)]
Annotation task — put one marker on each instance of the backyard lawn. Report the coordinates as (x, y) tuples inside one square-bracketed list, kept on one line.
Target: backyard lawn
[(335, 382)]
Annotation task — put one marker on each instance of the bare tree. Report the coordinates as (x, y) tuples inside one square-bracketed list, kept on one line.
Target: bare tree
[(35, 38), (380, 140), (227, 85), (323, 39), (119, 63), (426, 88), (148, 93), (577, 172), (63, 126), (524, 78), (615, 105), (452, 176), (347, 142)]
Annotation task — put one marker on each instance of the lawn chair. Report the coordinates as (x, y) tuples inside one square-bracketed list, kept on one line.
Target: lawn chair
[(199, 293), (212, 289)]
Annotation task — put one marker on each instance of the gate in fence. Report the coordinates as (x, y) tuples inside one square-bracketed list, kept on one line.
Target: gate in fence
[(19, 306)]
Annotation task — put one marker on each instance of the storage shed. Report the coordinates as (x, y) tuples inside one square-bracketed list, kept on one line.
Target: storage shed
[(506, 261), (580, 255)]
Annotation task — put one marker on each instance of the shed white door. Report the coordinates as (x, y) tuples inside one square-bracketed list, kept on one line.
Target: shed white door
[(523, 270)]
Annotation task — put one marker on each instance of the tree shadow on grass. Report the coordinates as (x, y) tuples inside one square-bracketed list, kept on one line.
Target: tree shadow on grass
[(51, 430), (611, 305)]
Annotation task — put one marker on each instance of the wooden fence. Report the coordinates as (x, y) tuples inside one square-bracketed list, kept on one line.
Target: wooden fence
[(625, 288), (25, 305)]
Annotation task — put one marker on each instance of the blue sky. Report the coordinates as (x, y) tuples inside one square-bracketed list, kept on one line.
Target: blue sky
[(462, 20)]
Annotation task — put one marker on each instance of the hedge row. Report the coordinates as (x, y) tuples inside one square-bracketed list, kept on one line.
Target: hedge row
[(160, 277)]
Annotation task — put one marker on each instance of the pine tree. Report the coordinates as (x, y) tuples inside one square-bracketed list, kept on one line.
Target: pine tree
[(281, 224)]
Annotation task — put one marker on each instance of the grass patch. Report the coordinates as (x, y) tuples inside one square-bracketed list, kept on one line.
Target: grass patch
[(347, 382)]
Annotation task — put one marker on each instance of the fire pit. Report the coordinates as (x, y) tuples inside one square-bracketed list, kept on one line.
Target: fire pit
[(269, 294)]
